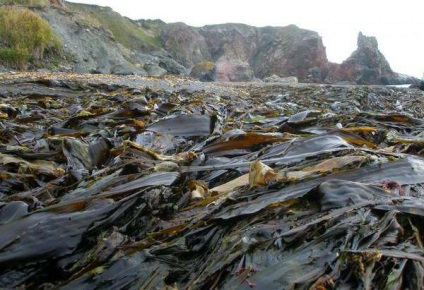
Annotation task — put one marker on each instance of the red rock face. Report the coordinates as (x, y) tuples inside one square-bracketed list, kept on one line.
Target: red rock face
[(185, 44), (233, 70), (366, 65), (292, 52), (242, 52)]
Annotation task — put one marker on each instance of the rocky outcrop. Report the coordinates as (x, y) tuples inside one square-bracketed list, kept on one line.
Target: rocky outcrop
[(205, 71), (232, 52), (243, 52), (89, 47), (366, 65), (185, 44), (232, 47), (290, 51)]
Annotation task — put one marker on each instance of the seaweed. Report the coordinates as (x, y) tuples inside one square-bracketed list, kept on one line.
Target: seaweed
[(133, 182)]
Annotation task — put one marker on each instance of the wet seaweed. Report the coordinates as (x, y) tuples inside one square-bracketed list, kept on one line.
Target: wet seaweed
[(132, 182)]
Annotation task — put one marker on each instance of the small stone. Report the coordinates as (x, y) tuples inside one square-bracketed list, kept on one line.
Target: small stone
[(166, 166)]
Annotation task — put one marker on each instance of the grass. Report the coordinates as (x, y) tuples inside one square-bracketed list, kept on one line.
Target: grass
[(30, 3), (125, 31), (24, 37)]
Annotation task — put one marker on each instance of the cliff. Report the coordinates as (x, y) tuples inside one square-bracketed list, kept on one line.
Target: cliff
[(97, 39), (241, 52), (367, 65)]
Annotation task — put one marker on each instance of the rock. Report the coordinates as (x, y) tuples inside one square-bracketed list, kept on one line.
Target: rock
[(186, 45), (127, 71), (366, 65), (97, 71), (169, 64), (240, 52), (3, 69), (233, 70), (280, 80), (243, 52), (91, 48), (155, 70), (58, 2), (421, 85), (400, 79), (290, 51), (205, 71), (261, 52)]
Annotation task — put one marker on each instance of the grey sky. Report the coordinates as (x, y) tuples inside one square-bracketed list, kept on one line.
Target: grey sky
[(398, 25)]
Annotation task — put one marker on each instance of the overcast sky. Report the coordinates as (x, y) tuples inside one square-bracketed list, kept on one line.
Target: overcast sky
[(398, 25)]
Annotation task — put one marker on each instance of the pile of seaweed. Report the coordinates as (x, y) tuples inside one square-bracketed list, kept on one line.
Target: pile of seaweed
[(167, 183)]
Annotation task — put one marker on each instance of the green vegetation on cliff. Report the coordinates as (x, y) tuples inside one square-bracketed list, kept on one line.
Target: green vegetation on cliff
[(29, 3), (127, 32), (24, 38)]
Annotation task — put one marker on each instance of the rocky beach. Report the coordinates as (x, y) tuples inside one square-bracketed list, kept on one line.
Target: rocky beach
[(139, 154), (129, 182)]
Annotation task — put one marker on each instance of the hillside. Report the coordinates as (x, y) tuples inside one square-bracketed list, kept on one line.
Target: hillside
[(98, 40)]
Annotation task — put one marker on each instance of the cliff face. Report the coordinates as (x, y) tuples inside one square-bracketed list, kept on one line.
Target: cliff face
[(185, 44), (97, 39), (366, 65), (290, 51), (243, 52), (232, 47)]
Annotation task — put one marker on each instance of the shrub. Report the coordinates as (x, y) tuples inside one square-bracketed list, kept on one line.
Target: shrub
[(24, 37), (9, 56)]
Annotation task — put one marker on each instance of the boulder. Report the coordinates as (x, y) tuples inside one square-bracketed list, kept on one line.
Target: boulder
[(280, 80), (155, 70), (233, 70), (205, 71), (127, 70)]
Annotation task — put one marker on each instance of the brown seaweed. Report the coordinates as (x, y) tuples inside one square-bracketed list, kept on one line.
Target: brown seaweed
[(111, 182)]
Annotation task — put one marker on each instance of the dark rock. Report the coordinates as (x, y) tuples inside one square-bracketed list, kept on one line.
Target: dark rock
[(97, 71), (421, 86)]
